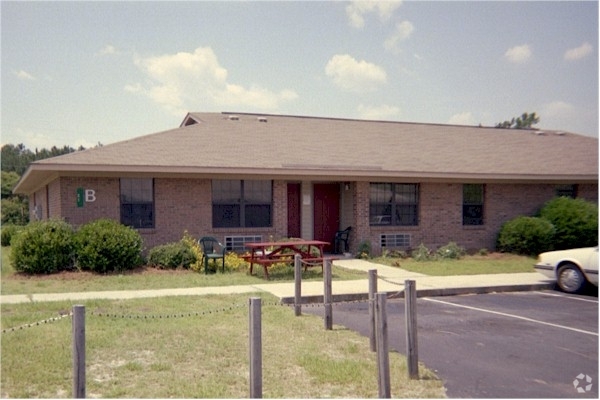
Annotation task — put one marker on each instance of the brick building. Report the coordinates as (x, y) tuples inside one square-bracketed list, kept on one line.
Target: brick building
[(247, 177)]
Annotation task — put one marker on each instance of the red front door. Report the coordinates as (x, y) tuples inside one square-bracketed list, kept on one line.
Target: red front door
[(293, 196), (327, 212)]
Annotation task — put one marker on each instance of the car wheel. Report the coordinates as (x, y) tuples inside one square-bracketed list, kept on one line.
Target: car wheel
[(570, 279)]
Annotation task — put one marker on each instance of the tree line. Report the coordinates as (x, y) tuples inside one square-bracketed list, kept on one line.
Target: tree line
[(15, 160)]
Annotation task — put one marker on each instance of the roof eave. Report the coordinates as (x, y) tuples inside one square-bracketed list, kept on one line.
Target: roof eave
[(39, 175)]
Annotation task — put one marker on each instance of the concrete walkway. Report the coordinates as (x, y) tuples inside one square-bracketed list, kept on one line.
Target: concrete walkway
[(390, 280)]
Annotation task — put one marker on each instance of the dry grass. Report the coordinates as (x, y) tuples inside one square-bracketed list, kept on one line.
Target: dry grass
[(203, 355)]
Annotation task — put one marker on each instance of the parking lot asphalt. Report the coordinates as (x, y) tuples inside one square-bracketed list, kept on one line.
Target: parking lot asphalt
[(540, 344)]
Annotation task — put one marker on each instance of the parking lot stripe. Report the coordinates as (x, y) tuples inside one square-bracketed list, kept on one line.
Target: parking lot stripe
[(511, 316), (566, 297)]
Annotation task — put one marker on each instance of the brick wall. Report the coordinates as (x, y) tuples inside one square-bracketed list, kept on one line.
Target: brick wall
[(185, 205), (105, 202), (440, 213)]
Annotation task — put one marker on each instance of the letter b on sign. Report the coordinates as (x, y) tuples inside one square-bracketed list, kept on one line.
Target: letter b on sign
[(85, 195), (90, 195)]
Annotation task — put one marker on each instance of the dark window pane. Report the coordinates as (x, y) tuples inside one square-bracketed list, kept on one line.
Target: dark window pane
[(394, 204), (406, 215), (239, 204), (256, 192), (473, 197), (472, 194), (226, 216), (258, 216), (137, 202), (226, 191), (566, 191), (472, 215)]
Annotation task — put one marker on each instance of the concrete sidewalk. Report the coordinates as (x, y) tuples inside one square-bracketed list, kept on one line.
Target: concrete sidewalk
[(390, 280)]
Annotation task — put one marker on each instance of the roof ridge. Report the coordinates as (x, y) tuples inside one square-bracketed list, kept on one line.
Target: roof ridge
[(255, 114)]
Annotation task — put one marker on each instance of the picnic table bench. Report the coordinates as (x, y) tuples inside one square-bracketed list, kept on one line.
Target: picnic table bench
[(269, 253)]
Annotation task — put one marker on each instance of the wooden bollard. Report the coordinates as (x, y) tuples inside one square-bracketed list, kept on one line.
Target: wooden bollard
[(372, 292), (327, 295), (383, 358), (412, 352), (297, 285), (255, 337), (78, 332)]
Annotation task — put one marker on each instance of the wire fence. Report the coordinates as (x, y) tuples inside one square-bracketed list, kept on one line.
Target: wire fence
[(378, 325), (314, 304)]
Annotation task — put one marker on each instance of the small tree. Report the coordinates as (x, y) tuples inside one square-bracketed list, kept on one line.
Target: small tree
[(525, 121)]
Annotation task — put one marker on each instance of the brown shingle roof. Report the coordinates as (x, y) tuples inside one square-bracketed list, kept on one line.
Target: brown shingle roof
[(291, 146)]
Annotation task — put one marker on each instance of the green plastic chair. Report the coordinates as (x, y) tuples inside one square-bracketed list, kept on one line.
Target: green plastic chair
[(212, 250)]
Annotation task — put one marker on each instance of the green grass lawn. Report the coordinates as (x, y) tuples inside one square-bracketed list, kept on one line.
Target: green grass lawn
[(152, 278), (493, 263), (132, 353), (147, 278)]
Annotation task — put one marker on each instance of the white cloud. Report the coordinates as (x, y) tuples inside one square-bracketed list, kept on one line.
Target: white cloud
[(24, 76), (557, 109), (356, 11), (354, 76), (578, 52), (42, 138), (518, 54), (382, 112), (464, 118), (185, 81), (402, 32), (107, 50)]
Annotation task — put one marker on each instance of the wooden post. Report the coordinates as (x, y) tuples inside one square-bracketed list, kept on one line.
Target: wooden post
[(327, 295), (412, 353), (383, 360), (78, 331), (372, 291), (297, 285), (255, 348)]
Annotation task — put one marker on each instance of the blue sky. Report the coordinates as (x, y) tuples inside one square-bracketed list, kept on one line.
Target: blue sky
[(79, 73)]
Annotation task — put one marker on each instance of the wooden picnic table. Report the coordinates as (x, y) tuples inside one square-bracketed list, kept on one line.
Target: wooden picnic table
[(269, 253)]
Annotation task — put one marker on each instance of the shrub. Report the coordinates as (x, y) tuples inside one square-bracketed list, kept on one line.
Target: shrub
[(236, 263), (14, 211), (43, 247), (575, 222), (421, 253), (450, 251), (105, 245), (171, 256), (364, 250), (8, 231), (526, 236), (196, 249)]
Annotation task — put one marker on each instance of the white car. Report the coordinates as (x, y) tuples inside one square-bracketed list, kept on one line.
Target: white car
[(572, 269)]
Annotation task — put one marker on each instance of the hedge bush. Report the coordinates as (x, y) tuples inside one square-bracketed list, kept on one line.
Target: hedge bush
[(575, 222), (43, 247), (526, 236), (105, 245), (8, 231), (171, 256)]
